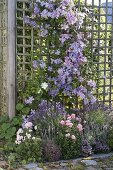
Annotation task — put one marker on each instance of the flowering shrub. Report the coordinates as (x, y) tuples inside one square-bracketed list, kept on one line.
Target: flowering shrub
[(69, 124), (29, 146), (52, 123), (69, 136)]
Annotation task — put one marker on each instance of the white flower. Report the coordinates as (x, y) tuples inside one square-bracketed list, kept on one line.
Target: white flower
[(67, 135), (33, 138), (30, 130), (35, 127), (73, 137), (44, 85), (19, 137), (17, 142), (19, 131), (28, 135)]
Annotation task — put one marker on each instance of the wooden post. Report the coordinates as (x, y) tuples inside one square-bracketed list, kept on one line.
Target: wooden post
[(11, 62)]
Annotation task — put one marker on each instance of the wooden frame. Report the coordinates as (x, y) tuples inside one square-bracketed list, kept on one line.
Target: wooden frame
[(11, 62)]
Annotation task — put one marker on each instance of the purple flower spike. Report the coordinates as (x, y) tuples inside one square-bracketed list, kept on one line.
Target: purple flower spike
[(35, 64), (36, 9), (29, 100)]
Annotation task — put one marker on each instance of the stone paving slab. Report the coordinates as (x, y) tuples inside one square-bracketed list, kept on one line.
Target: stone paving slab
[(89, 162), (95, 162), (97, 156)]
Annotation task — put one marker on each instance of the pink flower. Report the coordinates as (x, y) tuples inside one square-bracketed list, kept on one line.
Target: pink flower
[(78, 119), (28, 125), (62, 122), (68, 123), (69, 117), (73, 116), (80, 128), (73, 137)]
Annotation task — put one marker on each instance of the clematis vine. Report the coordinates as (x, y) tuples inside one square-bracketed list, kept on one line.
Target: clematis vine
[(62, 26)]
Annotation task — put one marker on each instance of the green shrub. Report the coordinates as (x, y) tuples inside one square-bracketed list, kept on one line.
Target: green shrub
[(8, 130), (8, 127), (29, 150), (96, 128), (97, 124), (69, 148)]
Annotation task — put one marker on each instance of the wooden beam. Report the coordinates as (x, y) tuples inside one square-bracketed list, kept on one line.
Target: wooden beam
[(11, 62)]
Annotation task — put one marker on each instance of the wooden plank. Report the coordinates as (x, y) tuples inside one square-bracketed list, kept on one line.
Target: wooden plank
[(11, 62)]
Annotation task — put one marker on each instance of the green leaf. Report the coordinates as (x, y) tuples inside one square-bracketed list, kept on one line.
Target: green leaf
[(19, 106), (10, 133), (5, 126), (24, 162), (3, 119), (2, 135), (26, 110), (8, 136), (15, 121), (11, 130)]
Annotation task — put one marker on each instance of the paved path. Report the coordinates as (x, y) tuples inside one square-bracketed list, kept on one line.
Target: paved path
[(95, 162)]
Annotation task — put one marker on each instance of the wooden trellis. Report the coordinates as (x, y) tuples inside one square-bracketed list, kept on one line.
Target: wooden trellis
[(7, 56), (17, 43), (101, 45)]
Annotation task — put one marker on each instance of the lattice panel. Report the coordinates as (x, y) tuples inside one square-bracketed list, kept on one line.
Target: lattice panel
[(102, 47), (25, 45), (3, 55)]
